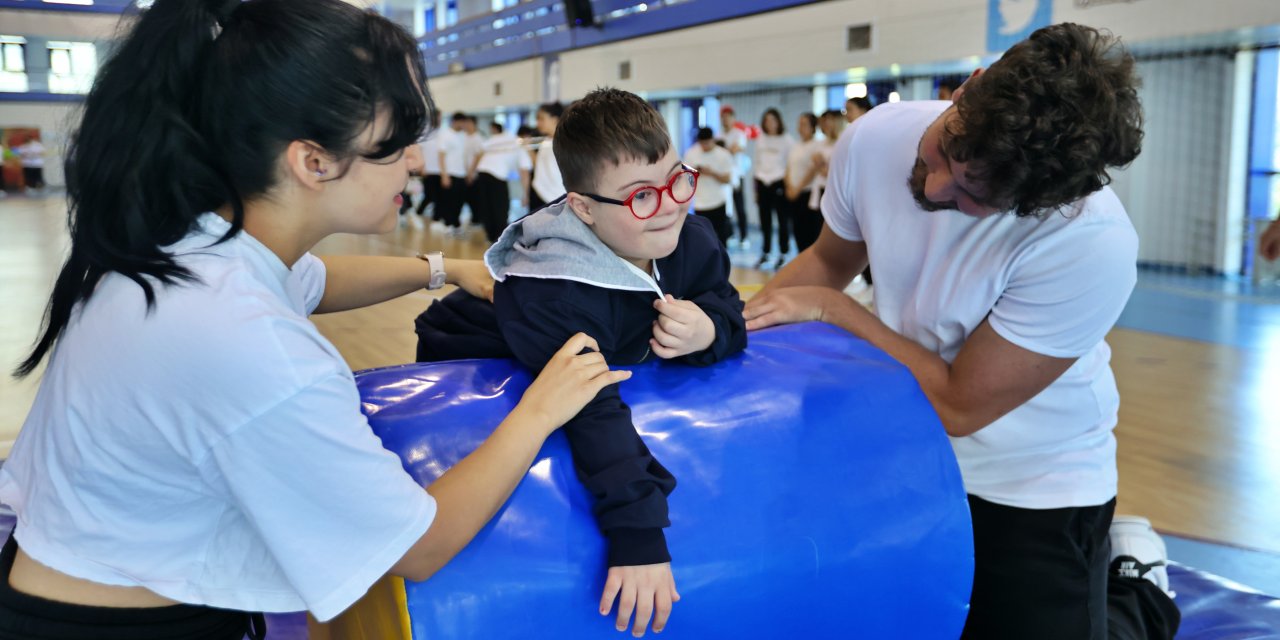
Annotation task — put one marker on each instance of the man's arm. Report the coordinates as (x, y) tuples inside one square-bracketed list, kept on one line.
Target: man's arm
[(989, 378)]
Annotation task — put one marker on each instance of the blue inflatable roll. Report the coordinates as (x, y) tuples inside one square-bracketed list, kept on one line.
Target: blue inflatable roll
[(818, 497)]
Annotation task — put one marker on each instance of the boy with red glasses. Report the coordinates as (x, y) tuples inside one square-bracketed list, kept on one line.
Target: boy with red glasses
[(620, 259)]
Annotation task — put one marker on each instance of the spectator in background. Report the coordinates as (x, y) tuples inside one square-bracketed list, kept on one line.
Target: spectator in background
[(431, 170), (770, 164), (714, 165), (547, 184), (453, 174), (1269, 246), (801, 169), (32, 154), (855, 108), (832, 125), (526, 135), (734, 137), (472, 145), (948, 86), (501, 156)]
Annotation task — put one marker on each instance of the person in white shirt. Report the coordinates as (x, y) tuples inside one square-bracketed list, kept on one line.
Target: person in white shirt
[(735, 140), (431, 169), (770, 163), (196, 452), (547, 183), (501, 157), (802, 169), (1002, 260), (714, 165), (472, 145), (831, 123), (453, 175), (32, 154)]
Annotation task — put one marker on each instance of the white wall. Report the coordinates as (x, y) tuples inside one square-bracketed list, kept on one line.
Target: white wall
[(811, 39), (474, 90), (55, 121)]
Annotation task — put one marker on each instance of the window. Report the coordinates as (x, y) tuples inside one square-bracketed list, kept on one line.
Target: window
[(72, 66), (13, 64)]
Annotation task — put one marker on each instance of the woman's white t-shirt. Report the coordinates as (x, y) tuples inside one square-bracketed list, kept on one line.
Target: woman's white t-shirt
[(1054, 286), (770, 158), (547, 181), (212, 449), (800, 161)]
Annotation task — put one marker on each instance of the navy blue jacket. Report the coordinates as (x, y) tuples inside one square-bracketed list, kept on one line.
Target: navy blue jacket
[(531, 318)]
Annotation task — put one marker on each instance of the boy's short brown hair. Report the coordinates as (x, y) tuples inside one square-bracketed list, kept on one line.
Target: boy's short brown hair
[(607, 126)]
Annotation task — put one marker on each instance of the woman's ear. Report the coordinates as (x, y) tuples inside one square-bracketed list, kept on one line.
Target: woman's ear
[(581, 207), (308, 164)]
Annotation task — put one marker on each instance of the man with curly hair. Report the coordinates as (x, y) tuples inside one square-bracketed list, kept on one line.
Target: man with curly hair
[(1002, 260)]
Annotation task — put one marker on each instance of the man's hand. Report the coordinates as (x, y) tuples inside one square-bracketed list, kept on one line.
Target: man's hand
[(793, 304), (682, 328), (648, 589), (1269, 246)]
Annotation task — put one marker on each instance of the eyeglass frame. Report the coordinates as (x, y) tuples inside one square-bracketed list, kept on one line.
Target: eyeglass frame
[(670, 183)]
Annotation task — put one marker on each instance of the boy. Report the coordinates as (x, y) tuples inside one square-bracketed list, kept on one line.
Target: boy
[(618, 258)]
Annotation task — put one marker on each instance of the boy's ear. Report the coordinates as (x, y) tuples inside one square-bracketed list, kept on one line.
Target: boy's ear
[(581, 208)]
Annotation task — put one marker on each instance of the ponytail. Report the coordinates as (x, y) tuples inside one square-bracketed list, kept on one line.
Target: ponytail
[(191, 113)]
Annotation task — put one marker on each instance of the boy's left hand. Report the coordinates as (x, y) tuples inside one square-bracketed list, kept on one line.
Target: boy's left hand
[(682, 328)]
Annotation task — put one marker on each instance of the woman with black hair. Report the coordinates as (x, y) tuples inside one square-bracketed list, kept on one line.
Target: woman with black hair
[(770, 162), (196, 451)]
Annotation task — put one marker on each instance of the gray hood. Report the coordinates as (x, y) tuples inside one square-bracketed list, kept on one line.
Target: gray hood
[(553, 244)]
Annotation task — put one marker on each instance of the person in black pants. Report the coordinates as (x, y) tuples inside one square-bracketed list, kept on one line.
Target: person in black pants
[(953, 202), (770, 164), (734, 140), (502, 155)]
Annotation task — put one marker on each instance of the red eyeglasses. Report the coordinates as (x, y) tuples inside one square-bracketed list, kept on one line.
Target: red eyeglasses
[(646, 201)]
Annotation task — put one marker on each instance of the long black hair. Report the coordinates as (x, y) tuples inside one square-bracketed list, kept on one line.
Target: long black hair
[(192, 113)]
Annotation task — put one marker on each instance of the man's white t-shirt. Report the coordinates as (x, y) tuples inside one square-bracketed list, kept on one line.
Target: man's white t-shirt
[(711, 192), (1053, 286), (472, 145), (431, 153), (547, 181), (32, 154), (211, 450), (503, 156), (770, 159), (453, 143)]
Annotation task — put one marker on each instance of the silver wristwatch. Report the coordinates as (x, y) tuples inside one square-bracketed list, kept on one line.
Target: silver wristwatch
[(436, 260)]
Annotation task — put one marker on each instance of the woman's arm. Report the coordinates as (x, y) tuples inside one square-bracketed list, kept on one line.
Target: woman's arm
[(352, 282)]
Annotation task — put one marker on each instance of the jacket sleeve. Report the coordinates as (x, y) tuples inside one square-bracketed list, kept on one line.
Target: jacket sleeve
[(711, 291), (630, 486)]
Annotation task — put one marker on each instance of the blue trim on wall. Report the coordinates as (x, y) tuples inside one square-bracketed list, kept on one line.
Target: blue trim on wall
[(97, 7), (471, 42), (6, 96)]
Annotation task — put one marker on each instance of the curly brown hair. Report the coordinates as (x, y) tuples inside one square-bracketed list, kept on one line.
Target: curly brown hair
[(1043, 125)]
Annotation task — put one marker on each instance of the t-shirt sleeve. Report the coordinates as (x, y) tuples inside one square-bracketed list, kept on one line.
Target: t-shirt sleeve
[(837, 200), (335, 509), (311, 273), (1066, 293), (523, 161)]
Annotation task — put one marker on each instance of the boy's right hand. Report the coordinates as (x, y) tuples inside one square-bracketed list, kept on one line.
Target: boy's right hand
[(572, 378), (649, 589)]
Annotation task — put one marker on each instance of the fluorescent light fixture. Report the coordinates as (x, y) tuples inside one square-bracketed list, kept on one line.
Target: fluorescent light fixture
[(894, 97), (83, 3), (855, 90)]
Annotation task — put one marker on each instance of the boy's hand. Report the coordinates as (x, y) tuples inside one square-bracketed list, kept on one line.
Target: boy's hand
[(649, 589), (682, 328)]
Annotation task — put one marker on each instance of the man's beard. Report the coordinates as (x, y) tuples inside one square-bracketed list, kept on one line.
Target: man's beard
[(916, 182)]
